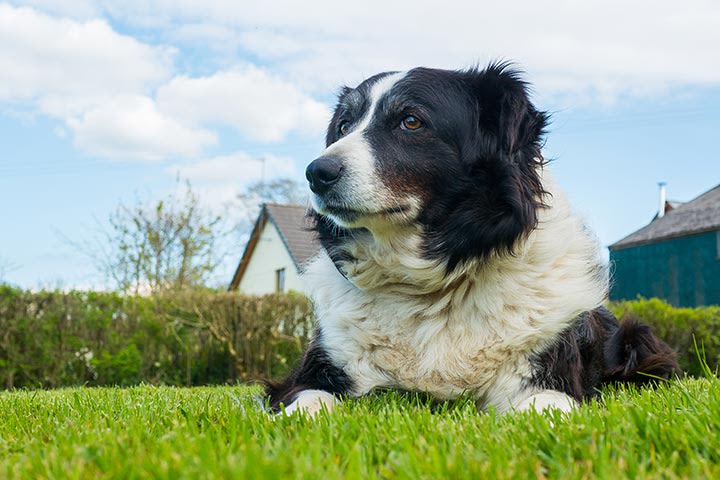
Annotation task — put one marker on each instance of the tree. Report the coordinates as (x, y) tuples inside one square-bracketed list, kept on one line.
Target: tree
[(169, 245), (279, 190), (6, 266)]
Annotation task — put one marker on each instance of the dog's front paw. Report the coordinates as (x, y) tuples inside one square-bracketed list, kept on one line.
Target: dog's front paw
[(547, 399), (311, 402)]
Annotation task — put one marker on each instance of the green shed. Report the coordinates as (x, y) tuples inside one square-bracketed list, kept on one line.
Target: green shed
[(675, 257)]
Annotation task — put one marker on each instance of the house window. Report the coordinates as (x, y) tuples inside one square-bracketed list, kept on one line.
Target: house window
[(280, 280)]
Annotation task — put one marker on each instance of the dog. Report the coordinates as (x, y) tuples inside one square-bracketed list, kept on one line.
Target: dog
[(451, 261)]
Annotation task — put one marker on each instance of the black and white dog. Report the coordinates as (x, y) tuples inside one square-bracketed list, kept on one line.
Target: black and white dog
[(452, 262)]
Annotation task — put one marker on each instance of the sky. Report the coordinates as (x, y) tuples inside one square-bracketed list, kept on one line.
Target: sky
[(104, 102)]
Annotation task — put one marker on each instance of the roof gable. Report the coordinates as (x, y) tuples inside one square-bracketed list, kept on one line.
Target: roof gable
[(701, 214), (295, 231)]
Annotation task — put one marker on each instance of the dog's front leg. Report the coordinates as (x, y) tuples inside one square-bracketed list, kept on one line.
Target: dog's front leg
[(312, 386)]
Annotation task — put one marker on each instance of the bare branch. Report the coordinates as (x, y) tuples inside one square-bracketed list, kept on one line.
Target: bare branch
[(153, 247)]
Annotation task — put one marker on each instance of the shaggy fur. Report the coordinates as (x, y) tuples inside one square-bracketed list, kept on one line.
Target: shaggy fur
[(452, 262)]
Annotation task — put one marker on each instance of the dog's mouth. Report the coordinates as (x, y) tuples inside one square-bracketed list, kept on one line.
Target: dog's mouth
[(351, 217), (343, 211)]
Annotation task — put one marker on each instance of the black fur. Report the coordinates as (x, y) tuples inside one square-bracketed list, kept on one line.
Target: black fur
[(315, 372), (596, 350), (634, 354), (496, 204)]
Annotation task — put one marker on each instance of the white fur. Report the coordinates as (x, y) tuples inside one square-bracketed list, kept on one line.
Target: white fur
[(311, 402), (398, 321)]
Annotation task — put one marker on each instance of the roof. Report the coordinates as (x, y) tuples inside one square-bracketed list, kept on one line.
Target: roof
[(295, 231), (699, 215), (672, 204)]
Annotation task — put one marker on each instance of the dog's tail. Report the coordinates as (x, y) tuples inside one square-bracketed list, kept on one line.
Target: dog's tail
[(633, 354)]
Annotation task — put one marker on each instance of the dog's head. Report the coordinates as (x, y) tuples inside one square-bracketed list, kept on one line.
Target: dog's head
[(456, 152)]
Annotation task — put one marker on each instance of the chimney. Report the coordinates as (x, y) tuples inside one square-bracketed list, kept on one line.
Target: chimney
[(663, 194)]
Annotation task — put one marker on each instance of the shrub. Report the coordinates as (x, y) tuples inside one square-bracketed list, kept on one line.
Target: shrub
[(681, 328), (51, 339), (124, 367)]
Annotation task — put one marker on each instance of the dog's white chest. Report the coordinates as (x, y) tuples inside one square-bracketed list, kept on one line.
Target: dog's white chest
[(446, 367), (439, 354)]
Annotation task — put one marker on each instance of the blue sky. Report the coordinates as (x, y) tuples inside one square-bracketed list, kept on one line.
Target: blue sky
[(104, 101)]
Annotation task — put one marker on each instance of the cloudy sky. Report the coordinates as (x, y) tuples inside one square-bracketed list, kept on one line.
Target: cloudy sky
[(103, 101)]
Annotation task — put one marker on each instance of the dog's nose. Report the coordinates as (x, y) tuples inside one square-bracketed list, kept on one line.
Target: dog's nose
[(323, 173)]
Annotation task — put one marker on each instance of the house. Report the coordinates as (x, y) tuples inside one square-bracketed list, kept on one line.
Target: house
[(675, 257), (280, 244)]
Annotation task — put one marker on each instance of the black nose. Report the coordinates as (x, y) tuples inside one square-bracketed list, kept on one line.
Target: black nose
[(323, 173)]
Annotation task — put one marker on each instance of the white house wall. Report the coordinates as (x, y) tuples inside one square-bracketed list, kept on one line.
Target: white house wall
[(269, 255)]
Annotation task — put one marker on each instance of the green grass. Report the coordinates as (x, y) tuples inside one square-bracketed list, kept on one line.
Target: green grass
[(161, 432)]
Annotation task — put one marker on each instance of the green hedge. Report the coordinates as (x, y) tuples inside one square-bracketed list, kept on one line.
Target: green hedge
[(51, 339), (681, 328)]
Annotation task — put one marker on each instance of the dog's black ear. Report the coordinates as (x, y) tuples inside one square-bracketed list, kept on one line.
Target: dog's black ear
[(496, 203), (509, 122), (505, 190)]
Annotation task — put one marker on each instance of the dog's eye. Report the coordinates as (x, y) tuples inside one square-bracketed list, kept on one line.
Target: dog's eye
[(411, 123), (344, 128)]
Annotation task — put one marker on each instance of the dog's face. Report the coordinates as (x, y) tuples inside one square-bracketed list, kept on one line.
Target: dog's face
[(456, 152)]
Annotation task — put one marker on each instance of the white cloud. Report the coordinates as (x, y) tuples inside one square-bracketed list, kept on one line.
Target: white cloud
[(132, 127), (595, 48), (42, 56), (261, 106), (82, 9), (219, 179), (81, 70), (103, 84), (238, 169), (96, 81)]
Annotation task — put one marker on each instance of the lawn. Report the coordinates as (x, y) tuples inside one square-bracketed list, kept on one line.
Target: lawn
[(218, 432)]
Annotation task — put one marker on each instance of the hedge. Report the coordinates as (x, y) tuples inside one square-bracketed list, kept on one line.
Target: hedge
[(682, 328), (53, 339)]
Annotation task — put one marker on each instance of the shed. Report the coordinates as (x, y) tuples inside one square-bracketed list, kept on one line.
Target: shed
[(675, 257)]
